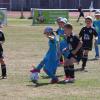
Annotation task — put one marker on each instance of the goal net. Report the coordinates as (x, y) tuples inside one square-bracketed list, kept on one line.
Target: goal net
[(48, 16)]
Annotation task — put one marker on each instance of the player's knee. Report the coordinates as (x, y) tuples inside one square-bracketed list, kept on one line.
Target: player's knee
[(2, 61), (86, 52)]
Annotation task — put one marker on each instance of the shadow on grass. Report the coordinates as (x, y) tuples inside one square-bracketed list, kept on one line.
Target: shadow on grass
[(80, 70), (93, 59), (38, 85), (44, 84), (47, 77)]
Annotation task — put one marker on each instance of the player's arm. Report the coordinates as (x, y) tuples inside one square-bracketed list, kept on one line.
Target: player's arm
[(95, 34), (2, 38), (51, 37), (80, 34), (78, 46)]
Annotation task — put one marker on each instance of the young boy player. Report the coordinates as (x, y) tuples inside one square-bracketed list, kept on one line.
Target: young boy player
[(86, 34), (75, 54), (3, 65)]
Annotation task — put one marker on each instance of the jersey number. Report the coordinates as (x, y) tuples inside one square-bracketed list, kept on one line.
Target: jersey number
[(86, 37)]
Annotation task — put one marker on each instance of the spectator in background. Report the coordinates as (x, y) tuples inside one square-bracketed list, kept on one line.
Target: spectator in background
[(81, 13)]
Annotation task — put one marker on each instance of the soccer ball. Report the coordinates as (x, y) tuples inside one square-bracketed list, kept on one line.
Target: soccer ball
[(81, 23), (34, 76)]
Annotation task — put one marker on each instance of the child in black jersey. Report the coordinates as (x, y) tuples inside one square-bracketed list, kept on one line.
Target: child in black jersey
[(86, 34), (75, 54), (3, 65)]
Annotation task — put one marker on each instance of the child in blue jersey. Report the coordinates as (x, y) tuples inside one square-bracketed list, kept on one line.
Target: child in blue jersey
[(64, 48), (96, 24), (60, 33), (50, 61)]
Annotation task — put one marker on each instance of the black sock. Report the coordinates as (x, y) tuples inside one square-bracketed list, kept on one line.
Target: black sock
[(72, 71), (3, 68), (66, 70), (61, 59), (84, 60)]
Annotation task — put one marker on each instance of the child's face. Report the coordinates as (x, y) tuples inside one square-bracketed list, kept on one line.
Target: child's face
[(88, 22), (97, 17), (61, 24), (47, 34), (67, 31)]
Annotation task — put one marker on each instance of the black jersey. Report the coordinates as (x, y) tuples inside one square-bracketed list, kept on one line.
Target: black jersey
[(87, 36), (73, 41), (2, 39)]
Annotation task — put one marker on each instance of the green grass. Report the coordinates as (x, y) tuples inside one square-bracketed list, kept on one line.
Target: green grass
[(26, 44)]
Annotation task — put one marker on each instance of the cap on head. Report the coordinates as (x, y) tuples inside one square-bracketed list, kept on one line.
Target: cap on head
[(97, 12), (63, 20), (48, 30), (66, 20), (58, 19), (89, 17)]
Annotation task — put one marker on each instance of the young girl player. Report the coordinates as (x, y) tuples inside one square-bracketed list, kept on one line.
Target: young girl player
[(50, 61)]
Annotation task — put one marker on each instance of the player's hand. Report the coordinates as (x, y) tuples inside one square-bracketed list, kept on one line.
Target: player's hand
[(1, 42), (96, 38), (51, 37), (74, 52), (65, 49)]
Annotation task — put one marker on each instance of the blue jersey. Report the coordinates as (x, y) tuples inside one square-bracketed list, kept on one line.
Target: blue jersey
[(64, 45), (96, 24), (50, 61), (60, 32)]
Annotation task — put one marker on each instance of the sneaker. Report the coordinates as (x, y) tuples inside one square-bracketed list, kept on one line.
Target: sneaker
[(83, 69), (53, 81), (61, 62), (3, 77), (97, 57), (34, 70), (67, 80), (71, 80)]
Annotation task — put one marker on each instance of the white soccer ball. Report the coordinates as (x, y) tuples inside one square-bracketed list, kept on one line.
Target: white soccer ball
[(81, 23), (34, 76)]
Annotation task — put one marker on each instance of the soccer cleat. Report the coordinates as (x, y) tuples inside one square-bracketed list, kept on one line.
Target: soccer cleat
[(61, 62), (34, 70), (3, 77), (83, 69), (71, 80), (53, 81), (97, 57), (66, 80)]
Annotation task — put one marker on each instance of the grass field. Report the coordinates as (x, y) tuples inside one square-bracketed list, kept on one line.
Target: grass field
[(25, 44)]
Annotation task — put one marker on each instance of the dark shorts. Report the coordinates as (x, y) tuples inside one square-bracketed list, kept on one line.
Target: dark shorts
[(81, 15), (87, 46), (78, 56)]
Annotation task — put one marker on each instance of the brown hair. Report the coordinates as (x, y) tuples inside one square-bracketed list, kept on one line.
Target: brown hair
[(69, 26)]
